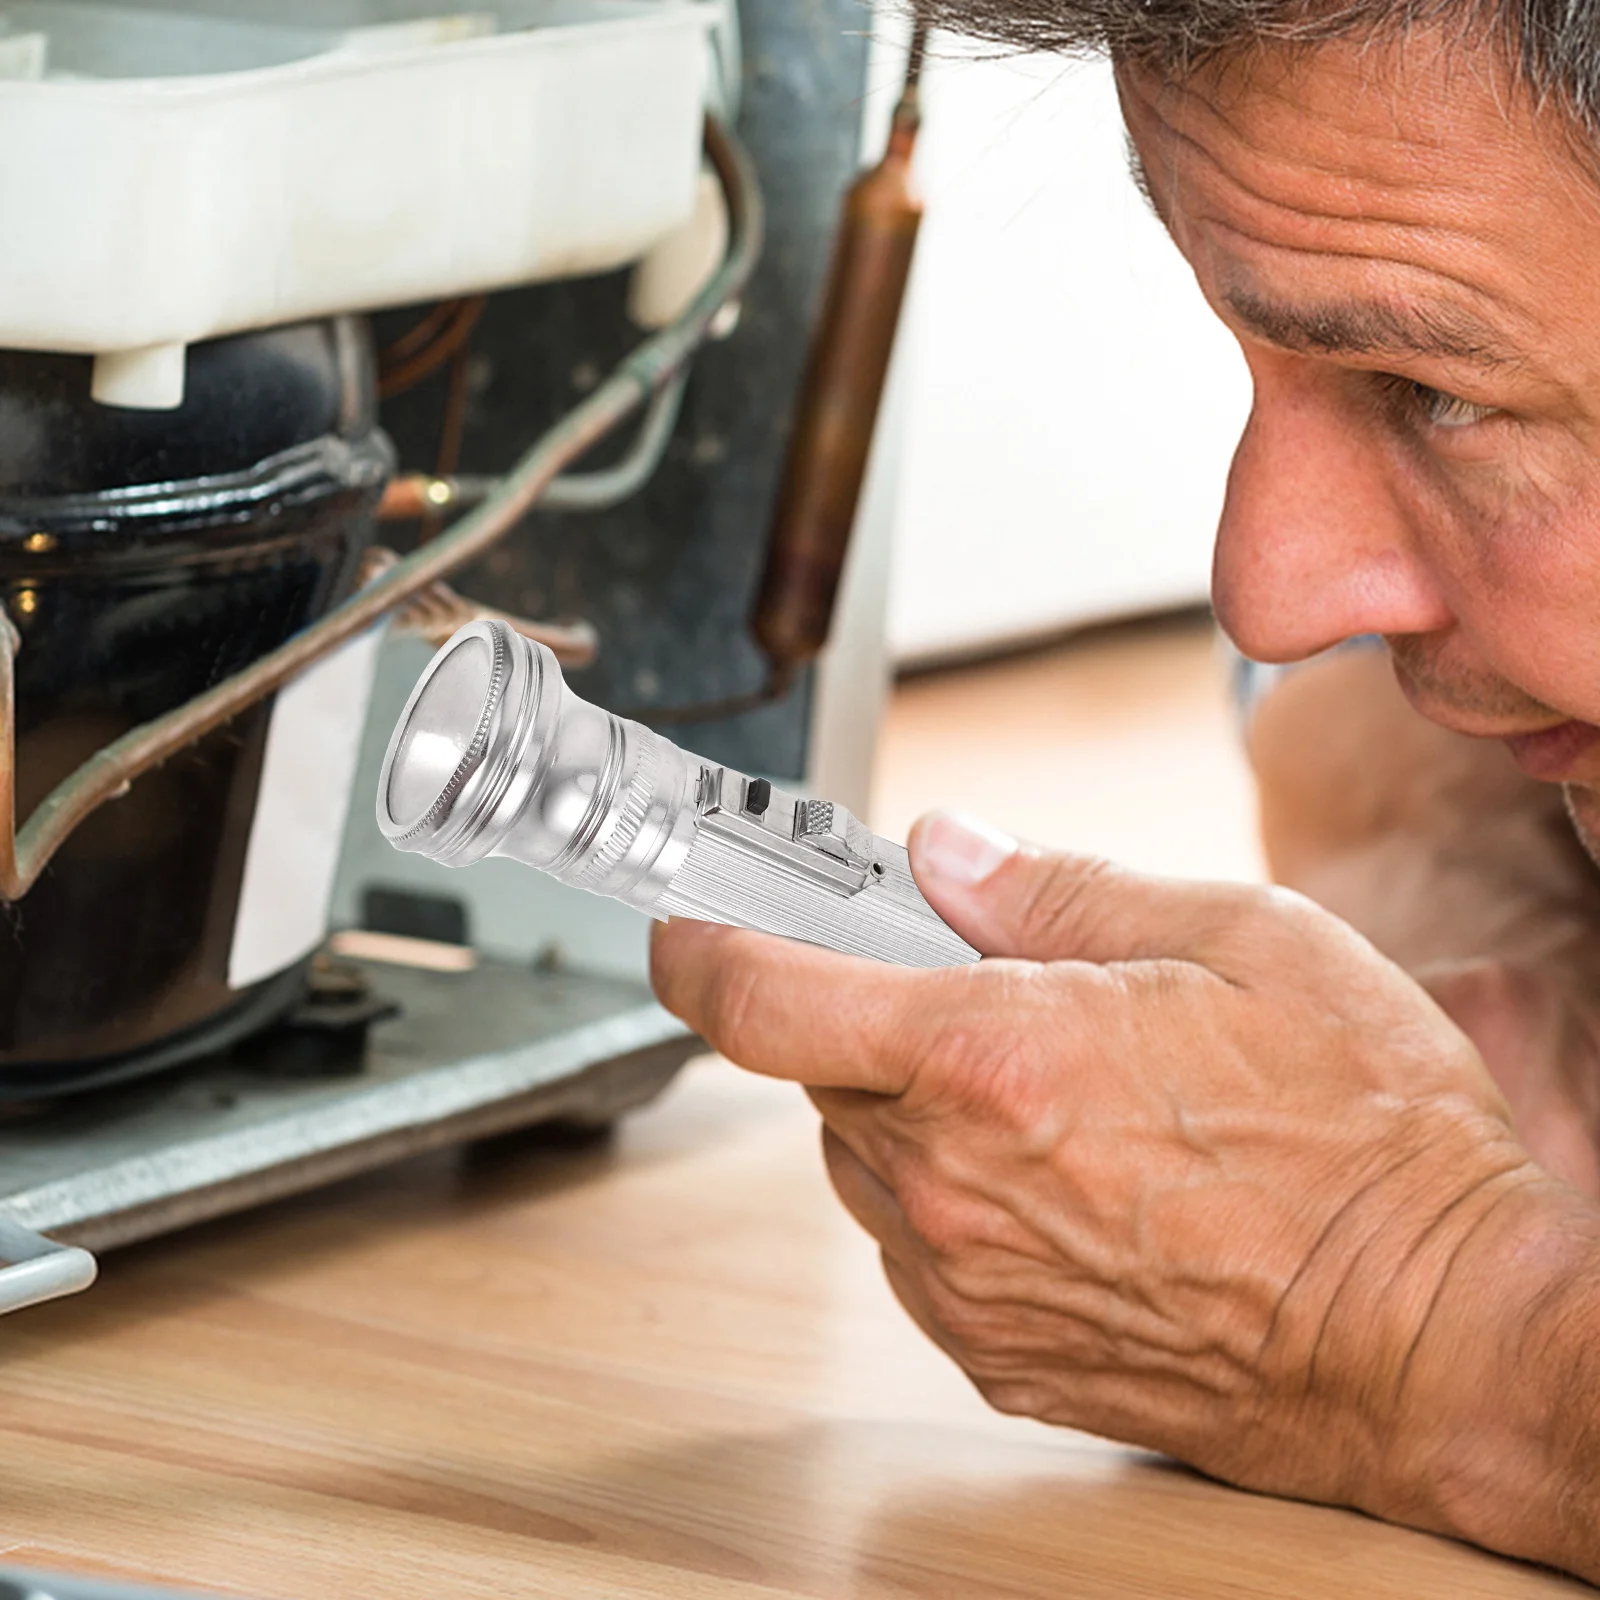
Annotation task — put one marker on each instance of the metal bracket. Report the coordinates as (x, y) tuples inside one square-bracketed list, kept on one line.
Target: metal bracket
[(34, 1269)]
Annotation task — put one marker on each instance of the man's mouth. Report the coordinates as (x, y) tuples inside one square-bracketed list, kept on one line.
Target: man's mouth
[(1552, 754)]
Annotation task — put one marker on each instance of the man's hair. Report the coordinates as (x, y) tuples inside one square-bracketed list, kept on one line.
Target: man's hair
[(1553, 45)]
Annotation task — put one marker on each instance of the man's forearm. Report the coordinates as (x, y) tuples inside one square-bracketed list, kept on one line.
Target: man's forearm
[(1572, 1407), (1432, 844), (1510, 1458)]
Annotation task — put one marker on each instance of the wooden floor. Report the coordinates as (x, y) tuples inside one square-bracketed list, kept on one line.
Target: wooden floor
[(1122, 744), (664, 1367)]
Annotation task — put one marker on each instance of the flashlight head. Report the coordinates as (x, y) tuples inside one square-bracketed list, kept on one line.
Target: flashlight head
[(447, 760), (494, 755)]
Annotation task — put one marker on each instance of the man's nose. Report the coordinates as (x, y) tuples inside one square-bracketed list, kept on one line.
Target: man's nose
[(1314, 547)]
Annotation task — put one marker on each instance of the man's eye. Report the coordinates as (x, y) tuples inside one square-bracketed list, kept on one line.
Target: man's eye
[(1442, 410)]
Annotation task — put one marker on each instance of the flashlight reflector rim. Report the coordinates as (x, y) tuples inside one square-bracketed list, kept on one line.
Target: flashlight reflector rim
[(410, 836)]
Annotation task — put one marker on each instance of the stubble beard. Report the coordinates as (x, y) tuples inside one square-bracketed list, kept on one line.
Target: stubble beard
[(1416, 665)]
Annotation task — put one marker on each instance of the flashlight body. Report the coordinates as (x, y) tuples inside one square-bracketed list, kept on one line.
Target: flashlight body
[(495, 756), (806, 869)]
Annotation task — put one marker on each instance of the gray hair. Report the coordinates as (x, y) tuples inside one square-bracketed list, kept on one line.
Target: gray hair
[(1553, 45)]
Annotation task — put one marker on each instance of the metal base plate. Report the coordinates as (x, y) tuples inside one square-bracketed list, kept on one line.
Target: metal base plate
[(470, 1054)]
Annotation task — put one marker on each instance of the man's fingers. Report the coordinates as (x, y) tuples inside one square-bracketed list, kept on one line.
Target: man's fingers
[(1009, 900), (793, 1011)]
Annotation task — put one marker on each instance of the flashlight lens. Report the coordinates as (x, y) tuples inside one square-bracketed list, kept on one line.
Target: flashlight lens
[(444, 732)]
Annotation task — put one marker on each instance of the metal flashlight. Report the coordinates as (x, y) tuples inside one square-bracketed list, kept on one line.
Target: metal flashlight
[(495, 756)]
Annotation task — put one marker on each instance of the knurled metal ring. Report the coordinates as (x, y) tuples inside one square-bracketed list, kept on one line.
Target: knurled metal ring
[(499, 677)]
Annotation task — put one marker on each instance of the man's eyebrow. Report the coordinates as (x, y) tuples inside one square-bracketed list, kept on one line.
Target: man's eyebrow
[(1371, 328)]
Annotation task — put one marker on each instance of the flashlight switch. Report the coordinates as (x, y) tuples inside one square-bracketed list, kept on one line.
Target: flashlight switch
[(821, 824)]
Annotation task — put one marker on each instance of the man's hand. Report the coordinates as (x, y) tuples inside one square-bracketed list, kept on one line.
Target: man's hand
[(1193, 1167)]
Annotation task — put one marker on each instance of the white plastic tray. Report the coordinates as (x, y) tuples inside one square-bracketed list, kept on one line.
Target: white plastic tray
[(169, 177)]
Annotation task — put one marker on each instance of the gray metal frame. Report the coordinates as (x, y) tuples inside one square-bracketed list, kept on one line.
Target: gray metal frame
[(18, 1584), (470, 1054)]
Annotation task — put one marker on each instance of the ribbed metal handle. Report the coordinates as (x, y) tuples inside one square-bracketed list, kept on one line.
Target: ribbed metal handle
[(805, 869)]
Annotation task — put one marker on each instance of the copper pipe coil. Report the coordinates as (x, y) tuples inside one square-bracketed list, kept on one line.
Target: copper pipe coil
[(421, 333), (25, 853), (402, 367)]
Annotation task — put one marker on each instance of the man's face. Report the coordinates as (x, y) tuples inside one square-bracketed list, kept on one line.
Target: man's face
[(1410, 259)]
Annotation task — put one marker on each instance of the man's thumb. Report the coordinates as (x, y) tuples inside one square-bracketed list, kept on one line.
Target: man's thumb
[(1007, 899)]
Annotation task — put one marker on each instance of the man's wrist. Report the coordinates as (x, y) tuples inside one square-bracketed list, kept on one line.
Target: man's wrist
[(1499, 1433)]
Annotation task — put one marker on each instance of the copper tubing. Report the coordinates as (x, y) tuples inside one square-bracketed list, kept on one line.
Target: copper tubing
[(420, 352), (439, 611), (414, 495), (25, 853), (840, 400), (419, 495)]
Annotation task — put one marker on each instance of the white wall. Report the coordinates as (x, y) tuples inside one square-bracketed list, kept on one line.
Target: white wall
[(1072, 405)]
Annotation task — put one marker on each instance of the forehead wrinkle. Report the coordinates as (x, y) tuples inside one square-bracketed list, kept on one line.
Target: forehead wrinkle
[(1401, 149), (1564, 154), (1361, 212), (1464, 236), (1342, 209), (1406, 113), (1444, 253)]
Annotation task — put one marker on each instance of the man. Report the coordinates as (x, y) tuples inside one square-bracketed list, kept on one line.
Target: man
[(1198, 1167)]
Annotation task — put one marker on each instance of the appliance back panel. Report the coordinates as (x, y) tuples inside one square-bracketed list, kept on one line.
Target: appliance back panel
[(669, 578)]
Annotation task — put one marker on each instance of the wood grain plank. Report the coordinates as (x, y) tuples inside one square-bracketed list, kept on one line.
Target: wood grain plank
[(663, 1368)]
